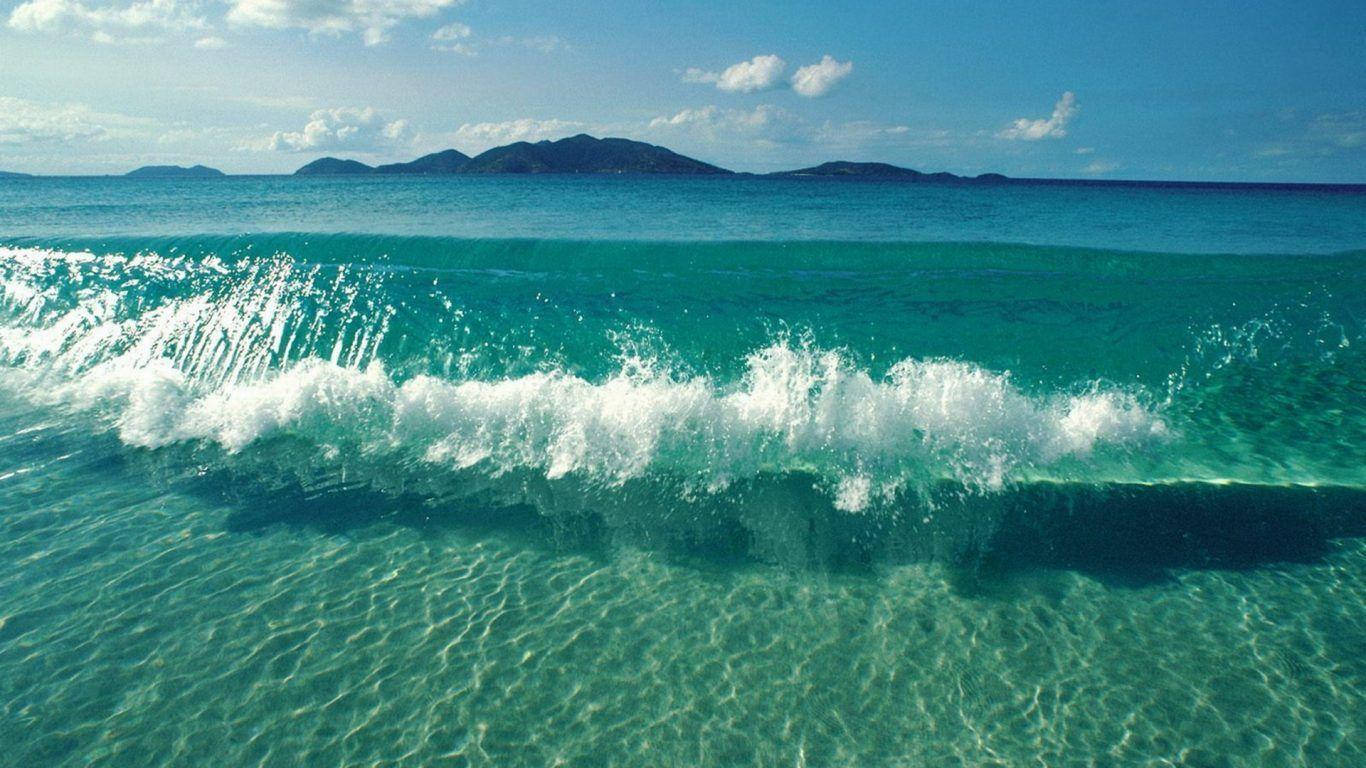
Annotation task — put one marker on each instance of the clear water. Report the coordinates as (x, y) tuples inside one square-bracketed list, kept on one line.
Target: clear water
[(626, 471)]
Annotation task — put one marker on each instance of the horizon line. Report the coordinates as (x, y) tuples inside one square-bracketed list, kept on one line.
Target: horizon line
[(789, 173)]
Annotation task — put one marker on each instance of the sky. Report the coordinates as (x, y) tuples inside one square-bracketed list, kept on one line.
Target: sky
[(1261, 90)]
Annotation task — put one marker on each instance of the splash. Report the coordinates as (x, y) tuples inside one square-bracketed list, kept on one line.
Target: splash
[(189, 349)]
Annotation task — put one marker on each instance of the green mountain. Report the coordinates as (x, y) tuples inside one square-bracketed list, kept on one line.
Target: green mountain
[(174, 172), (332, 166), (448, 161), (844, 168), (586, 154), (576, 154)]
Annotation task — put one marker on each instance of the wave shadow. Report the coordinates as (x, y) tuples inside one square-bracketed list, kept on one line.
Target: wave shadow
[(1120, 534)]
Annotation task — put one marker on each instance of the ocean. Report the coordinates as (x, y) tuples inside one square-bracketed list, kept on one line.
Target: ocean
[(619, 471)]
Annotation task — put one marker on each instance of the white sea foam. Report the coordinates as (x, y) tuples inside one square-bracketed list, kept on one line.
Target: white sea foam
[(795, 409), (220, 368)]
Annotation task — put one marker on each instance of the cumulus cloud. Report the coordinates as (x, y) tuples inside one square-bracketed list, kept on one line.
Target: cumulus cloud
[(698, 75), (765, 123), (817, 79), (454, 37), (863, 133), (1053, 127), (764, 72), (460, 38), (29, 122), (210, 43), (105, 22), (484, 135), (348, 128), (769, 127), (373, 19), (758, 74)]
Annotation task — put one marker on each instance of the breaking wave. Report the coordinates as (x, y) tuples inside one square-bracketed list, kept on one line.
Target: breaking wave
[(391, 367)]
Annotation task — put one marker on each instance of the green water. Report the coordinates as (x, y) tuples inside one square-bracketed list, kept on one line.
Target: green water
[(400, 499)]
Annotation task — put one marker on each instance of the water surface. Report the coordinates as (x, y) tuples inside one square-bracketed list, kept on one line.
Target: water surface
[(680, 472)]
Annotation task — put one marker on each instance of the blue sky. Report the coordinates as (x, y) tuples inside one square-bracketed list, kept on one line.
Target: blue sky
[(1161, 90)]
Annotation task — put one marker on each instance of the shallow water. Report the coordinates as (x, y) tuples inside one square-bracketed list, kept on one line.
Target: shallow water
[(418, 499)]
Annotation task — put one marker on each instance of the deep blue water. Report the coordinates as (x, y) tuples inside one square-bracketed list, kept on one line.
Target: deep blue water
[(1177, 220)]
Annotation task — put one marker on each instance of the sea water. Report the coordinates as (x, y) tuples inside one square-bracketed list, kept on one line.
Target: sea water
[(659, 471)]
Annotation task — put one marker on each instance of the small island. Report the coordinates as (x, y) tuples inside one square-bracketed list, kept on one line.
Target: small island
[(332, 166), (13, 175), (883, 171), (174, 172)]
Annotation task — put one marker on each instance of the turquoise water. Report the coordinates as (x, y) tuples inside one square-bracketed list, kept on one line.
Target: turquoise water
[(627, 471)]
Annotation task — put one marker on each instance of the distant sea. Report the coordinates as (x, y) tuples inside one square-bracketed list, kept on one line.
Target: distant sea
[(563, 470)]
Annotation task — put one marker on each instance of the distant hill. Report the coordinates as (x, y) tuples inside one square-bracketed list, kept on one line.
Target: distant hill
[(576, 154), (332, 166), (174, 172), (13, 175), (844, 168), (448, 161), (586, 154)]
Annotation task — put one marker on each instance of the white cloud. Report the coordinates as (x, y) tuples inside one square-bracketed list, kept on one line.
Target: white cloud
[(1054, 127), (210, 43), (28, 122), (1324, 135), (861, 133), (1098, 167), (453, 31), (817, 79), (485, 135), (541, 43), (373, 19), (349, 128), (779, 132), (105, 22), (758, 74), (1342, 130), (454, 37), (460, 38), (696, 75), (765, 123)]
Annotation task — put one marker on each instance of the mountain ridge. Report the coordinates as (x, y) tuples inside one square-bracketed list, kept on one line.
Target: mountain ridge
[(591, 155), (882, 171), (575, 154), (174, 172)]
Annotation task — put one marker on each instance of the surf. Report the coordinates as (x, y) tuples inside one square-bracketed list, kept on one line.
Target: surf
[(397, 358)]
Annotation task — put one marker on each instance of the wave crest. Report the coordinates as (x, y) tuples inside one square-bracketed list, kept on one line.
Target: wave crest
[(795, 409), (192, 348)]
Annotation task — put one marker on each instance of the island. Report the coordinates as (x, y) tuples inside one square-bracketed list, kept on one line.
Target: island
[(881, 171), (13, 175), (576, 154), (174, 172), (586, 154), (591, 155), (332, 166), (447, 161)]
